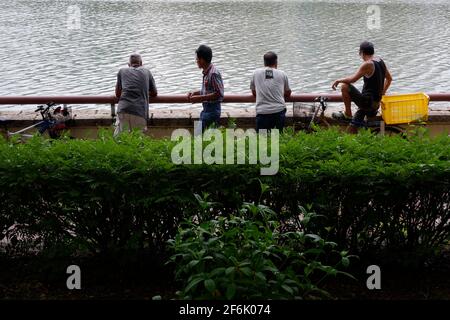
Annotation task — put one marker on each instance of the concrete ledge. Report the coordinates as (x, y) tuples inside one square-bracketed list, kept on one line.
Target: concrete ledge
[(163, 121)]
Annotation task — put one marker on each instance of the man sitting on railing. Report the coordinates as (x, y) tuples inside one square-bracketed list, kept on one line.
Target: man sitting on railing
[(211, 94), (270, 86), (377, 80), (134, 85)]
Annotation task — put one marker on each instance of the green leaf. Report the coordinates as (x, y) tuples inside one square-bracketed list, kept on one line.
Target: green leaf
[(271, 269), (231, 291), (217, 271), (345, 261), (229, 270), (246, 271), (315, 237), (192, 284), (193, 263), (261, 276), (210, 285), (344, 253), (287, 288)]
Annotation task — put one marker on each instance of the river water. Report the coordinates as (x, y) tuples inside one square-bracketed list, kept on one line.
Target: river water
[(76, 47)]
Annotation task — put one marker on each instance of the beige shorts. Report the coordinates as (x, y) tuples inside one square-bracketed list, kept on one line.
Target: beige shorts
[(129, 122)]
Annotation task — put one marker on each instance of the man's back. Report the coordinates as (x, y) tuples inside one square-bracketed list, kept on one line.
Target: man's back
[(135, 82), (270, 85), (374, 84)]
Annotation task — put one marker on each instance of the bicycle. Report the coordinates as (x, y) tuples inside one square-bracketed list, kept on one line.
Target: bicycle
[(55, 120), (318, 117)]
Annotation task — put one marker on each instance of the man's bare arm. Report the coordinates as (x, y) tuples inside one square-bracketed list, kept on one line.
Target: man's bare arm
[(287, 93), (363, 70), (118, 91), (203, 98), (211, 97), (153, 93), (388, 82)]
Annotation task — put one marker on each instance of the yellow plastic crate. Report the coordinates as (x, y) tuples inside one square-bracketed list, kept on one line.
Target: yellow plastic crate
[(404, 108)]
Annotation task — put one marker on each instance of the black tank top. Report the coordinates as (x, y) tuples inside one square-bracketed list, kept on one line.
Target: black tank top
[(375, 84)]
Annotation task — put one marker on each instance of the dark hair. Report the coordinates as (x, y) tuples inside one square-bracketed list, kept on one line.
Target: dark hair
[(135, 58), (204, 52), (367, 48), (270, 59)]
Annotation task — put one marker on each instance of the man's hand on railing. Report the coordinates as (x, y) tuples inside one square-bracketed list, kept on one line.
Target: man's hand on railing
[(196, 99)]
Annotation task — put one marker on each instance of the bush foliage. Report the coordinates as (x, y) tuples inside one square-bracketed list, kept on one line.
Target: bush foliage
[(250, 257), (376, 194)]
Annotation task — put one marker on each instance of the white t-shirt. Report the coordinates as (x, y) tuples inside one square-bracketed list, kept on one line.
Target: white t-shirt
[(270, 85)]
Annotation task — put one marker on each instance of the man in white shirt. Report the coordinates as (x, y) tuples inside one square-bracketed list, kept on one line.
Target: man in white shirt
[(270, 86)]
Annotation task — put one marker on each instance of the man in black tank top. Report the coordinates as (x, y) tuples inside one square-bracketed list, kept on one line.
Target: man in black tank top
[(377, 80)]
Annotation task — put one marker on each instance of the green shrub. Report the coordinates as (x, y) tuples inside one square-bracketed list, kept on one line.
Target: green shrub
[(248, 257), (376, 194)]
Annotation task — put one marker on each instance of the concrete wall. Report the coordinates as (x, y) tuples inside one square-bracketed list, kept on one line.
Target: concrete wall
[(162, 122)]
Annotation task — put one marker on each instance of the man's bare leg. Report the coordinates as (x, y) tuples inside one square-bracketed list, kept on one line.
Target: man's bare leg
[(345, 89)]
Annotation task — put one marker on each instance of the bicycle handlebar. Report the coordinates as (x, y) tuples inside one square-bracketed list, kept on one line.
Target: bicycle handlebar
[(321, 99), (41, 107)]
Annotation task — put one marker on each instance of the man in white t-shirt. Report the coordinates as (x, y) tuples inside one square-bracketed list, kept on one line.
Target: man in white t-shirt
[(270, 86)]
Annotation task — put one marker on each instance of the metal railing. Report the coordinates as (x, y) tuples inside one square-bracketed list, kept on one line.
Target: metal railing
[(174, 98)]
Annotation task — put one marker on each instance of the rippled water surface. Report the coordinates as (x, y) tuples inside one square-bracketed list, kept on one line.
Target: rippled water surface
[(316, 42)]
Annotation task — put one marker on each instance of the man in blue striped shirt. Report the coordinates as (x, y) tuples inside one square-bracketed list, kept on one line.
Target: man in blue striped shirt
[(211, 94)]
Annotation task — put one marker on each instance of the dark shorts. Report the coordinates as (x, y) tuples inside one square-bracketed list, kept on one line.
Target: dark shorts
[(271, 121), (366, 106)]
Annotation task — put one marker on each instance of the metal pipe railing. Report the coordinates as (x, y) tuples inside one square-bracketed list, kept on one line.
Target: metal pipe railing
[(176, 98), (168, 99)]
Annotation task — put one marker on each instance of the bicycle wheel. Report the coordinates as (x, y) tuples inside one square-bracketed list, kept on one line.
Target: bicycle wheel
[(303, 115), (314, 118)]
